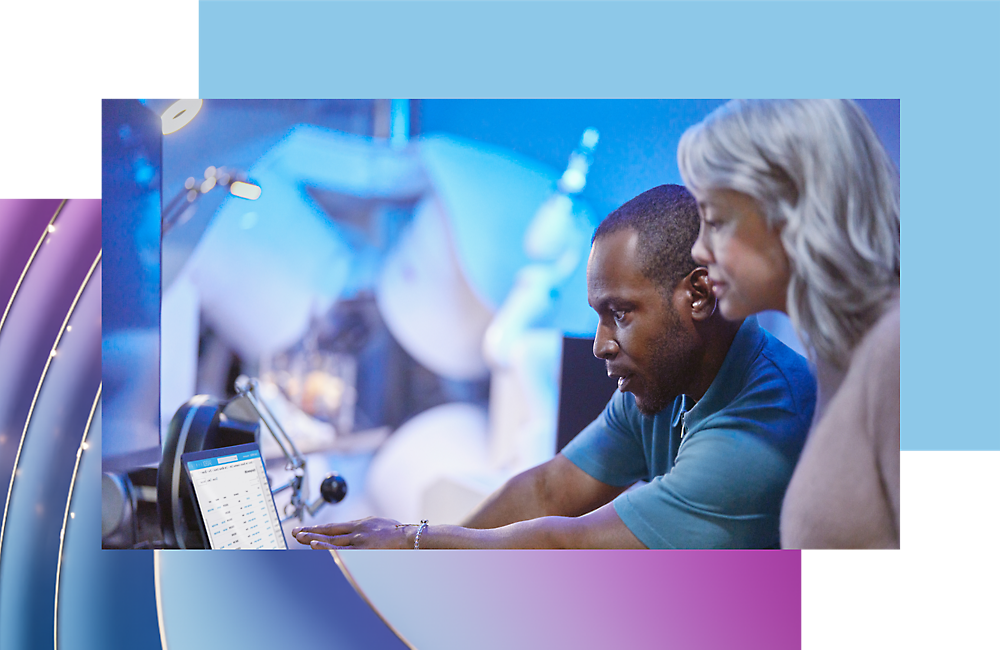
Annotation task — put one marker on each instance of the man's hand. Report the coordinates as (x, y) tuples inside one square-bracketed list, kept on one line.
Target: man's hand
[(370, 532)]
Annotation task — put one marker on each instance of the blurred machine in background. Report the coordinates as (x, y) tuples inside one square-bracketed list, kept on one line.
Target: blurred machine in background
[(515, 255), (359, 250)]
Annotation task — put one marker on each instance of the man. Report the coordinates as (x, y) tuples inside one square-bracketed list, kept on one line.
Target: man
[(711, 414)]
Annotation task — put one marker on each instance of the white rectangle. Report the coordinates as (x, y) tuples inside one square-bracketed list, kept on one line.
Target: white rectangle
[(236, 505), (938, 590)]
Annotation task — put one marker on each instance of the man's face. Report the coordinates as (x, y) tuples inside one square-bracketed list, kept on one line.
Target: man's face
[(641, 333), (745, 258)]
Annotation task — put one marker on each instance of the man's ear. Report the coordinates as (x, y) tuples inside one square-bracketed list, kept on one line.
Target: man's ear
[(700, 296)]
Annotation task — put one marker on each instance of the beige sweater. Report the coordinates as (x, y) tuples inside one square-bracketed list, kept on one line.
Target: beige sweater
[(845, 489)]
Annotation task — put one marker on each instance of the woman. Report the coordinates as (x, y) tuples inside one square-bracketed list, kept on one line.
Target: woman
[(800, 213)]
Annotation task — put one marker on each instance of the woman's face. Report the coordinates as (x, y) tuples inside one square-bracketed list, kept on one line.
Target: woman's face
[(746, 261)]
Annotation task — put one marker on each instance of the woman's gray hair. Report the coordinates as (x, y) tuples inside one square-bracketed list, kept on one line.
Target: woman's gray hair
[(820, 174)]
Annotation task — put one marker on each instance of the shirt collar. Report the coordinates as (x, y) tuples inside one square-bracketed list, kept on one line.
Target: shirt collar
[(746, 345)]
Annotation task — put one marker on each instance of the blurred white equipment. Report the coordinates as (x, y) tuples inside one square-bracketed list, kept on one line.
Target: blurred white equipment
[(264, 269), (517, 244), (261, 280), (523, 352), (496, 245)]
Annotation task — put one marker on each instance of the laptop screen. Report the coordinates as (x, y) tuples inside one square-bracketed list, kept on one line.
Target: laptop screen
[(234, 499)]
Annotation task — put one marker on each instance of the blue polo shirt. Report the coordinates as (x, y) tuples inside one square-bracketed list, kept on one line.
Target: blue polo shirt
[(717, 469)]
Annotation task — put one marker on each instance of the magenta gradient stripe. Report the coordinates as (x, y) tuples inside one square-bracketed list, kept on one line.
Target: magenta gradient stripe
[(22, 222), (703, 600)]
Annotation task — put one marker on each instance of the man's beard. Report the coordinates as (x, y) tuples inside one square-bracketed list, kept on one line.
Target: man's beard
[(665, 374)]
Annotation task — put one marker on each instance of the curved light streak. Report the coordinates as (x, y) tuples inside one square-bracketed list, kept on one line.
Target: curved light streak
[(159, 600), (41, 240), (69, 499), (347, 574), (38, 390)]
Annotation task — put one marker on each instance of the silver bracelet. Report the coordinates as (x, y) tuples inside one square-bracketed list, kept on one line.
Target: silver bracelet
[(416, 539)]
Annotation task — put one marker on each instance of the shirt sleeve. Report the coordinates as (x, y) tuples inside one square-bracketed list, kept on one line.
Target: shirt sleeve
[(724, 491), (610, 448)]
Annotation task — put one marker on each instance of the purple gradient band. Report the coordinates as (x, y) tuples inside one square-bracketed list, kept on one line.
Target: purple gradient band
[(586, 599)]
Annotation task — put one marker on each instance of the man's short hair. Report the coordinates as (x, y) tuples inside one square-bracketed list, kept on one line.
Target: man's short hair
[(666, 219)]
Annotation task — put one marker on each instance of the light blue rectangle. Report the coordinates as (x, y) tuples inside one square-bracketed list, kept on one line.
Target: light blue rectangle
[(222, 460), (941, 59)]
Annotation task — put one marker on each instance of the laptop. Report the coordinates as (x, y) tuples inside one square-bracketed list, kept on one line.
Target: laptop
[(233, 499)]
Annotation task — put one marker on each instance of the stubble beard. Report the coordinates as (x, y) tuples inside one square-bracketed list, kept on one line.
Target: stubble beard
[(667, 371)]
